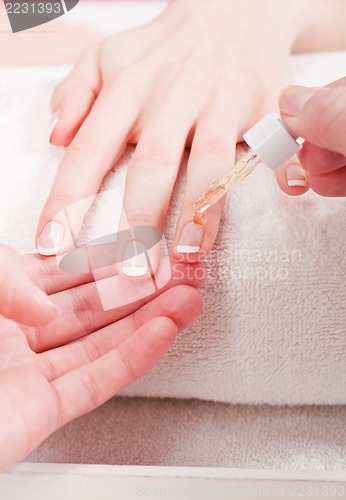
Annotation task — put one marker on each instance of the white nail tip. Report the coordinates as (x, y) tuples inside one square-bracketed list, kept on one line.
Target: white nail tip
[(135, 272), (296, 182), (187, 249), (52, 125), (135, 263), (47, 252), (50, 239)]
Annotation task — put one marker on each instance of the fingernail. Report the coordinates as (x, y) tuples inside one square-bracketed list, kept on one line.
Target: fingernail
[(39, 296), (52, 124), (50, 239), (191, 238), (294, 99), (295, 176), (135, 259)]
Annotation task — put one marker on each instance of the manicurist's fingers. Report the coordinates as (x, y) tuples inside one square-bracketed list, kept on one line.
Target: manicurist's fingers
[(324, 172), (318, 115), (73, 98), (93, 152), (181, 304), (20, 299), (329, 183), (318, 160), (212, 155)]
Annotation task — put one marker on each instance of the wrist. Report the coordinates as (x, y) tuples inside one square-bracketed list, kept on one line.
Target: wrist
[(284, 20), (323, 26), (289, 17)]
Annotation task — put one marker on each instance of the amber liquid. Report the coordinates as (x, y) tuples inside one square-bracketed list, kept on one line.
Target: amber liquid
[(220, 188)]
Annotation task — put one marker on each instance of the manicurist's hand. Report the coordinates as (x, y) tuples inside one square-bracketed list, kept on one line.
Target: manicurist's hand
[(20, 298), (51, 375), (318, 115), (199, 75)]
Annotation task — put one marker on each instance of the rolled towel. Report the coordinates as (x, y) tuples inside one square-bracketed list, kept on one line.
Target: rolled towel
[(273, 326)]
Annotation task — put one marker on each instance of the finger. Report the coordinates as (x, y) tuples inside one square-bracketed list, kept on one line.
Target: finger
[(318, 160), (74, 97), (330, 183), (291, 178), (181, 304), (96, 148), (20, 299), (338, 83), (82, 311), (47, 275), (86, 388), (153, 169), (212, 155), (317, 115)]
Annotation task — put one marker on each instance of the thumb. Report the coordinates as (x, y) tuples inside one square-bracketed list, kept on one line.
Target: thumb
[(317, 115), (20, 299)]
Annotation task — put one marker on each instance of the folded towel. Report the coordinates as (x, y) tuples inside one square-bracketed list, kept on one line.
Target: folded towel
[(273, 326), (202, 434)]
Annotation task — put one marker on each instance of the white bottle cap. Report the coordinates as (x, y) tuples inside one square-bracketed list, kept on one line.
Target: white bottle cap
[(272, 141)]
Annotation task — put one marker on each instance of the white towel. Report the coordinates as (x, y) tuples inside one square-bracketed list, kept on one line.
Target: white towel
[(202, 434), (273, 326)]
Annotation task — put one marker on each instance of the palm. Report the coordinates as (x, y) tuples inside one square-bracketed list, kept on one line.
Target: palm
[(51, 375), (27, 400)]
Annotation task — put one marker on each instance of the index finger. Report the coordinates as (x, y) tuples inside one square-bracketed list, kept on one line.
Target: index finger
[(96, 148)]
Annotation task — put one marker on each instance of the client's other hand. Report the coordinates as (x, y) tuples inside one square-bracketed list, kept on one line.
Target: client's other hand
[(51, 375)]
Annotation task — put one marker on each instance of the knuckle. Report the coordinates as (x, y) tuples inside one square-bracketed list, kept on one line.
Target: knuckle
[(124, 82), (213, 146), (49, 367), (125, 362), (83, 146), (140, 219), (60, 199), (91, 349), (55, 205), (153, 155), (177, 73), (83, 309), (91, 388)]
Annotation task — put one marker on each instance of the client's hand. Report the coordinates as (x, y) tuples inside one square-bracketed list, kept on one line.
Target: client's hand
[(199, 75), (20, 299), (51, 375), (318, 115)]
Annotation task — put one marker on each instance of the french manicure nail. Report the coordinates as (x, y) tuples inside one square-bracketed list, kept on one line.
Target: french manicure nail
[(295, 176), (53, 123), (50, 239), (191, 238), (135, 259), (294, 99)]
